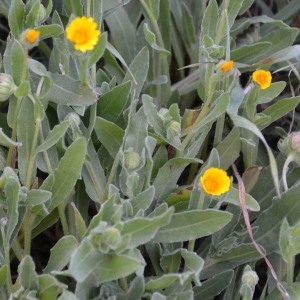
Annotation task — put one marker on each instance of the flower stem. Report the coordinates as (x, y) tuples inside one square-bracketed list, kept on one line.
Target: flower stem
[(285, 169), (7, 261), (290, 270), (9, 160), (63, 219), (164, 62)]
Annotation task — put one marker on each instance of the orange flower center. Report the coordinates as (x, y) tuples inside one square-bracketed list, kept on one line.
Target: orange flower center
[(81, 36), (31, 36)]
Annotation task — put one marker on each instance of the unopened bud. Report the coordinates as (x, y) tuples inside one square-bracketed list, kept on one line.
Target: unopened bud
[(250, 278), (132, 160), (173, 128), (112, 237), (290, 146), (7, 86)]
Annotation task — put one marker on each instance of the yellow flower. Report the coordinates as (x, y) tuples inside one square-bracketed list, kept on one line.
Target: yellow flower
[(226, 66), (262, 78), (215, 181), (82, 31)]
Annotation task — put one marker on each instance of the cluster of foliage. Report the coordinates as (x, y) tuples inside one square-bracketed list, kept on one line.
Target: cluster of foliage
[(121, 126)]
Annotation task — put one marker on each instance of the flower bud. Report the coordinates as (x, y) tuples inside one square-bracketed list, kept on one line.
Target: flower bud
[(132, 160), (173, 128), (250, 278), (7, 86), (164, 114), (291, 146), (112, 237)]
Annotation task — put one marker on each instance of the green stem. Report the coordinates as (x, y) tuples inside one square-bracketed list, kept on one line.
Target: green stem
[(190, 134), (63, 219), (32, 156), (191, 244), (7, 261), (16, 247), (164, 63), (219, 130), (14, 132), (290, 270), (45, 153), (27, 231), (93, 115), (88, 8), (112, 174), (285, 169), (93, 176)]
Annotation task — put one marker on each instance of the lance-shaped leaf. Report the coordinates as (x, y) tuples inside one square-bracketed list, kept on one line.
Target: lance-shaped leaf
[(191, 225), (68, 171)]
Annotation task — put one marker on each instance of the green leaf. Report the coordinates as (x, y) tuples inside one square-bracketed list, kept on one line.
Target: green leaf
[(213, 286), (188, 24), (84, 260), (139, 68), (68, 91), (122, 32), (28, 276), (278, 110), (37, 197), (25, 133), (6, 141), (79, 222), (66, 295), (12, 193), (244, 123), (168, 175), (60, 254), (113, 103), (151, 40), (48, 287), (110, 135), (245, 53), (112, 266), (18, 62), (142, 230), (209, 21), (68, 172), (229, 149), (284, 240), (267, 95), (163, 281), (99, 49), (16, 17), (93, 175), (54, 136), (269, 222), (191, 225), (228, 260), (233, 197), (3, 272), (143, 199), (135, 291), (48, 31)]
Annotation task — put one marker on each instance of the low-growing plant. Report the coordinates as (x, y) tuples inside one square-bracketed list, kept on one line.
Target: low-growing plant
[(138, 146)]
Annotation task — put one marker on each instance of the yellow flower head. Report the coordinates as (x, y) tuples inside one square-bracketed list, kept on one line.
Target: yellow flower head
[(215, 181), (226, 66), (82, 31), (262, 78), (31, 36)]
